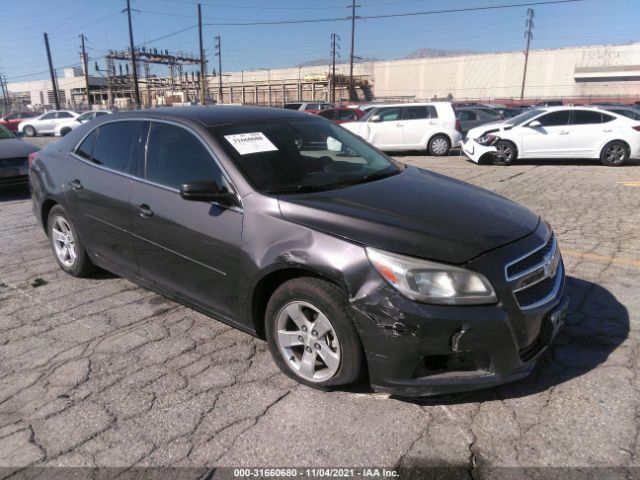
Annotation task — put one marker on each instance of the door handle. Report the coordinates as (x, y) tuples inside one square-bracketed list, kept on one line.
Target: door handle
[(145, 210), (607, 130), (399, 125), (564, 132), (76, 184)]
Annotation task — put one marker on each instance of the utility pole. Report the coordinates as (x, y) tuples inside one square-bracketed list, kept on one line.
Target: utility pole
[(219, 55), (85, 67), (203, 71), (334, 45), (133, 58), (5, 94), (528, 35), (351, 57), (52, 73)]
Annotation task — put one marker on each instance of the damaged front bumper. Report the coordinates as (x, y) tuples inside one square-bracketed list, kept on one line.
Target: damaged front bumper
[(415, 349), (475, 151)]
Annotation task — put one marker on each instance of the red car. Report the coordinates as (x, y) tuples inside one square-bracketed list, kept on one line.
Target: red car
[(342, 114), (12, 120)]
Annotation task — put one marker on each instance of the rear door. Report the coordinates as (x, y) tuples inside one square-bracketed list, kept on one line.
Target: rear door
[(98, 190), (587, 132), (418, 126), (191, 248), (550, 139)]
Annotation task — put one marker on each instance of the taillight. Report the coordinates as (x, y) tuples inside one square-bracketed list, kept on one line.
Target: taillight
[(32, 157), (458, 127), (636, 128)]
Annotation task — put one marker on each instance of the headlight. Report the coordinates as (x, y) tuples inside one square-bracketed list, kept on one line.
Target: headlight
[(432, 282), (487, 140)]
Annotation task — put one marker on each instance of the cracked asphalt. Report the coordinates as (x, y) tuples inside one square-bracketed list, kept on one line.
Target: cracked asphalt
[(102, 373)]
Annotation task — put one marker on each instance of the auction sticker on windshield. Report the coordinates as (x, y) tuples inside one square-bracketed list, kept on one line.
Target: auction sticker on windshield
[(254, 142)]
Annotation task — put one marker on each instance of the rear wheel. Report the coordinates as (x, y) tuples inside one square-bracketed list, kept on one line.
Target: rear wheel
[(67, 248), (29, 131), (614, 153), (505, 153), (311, 335), (439, 145)]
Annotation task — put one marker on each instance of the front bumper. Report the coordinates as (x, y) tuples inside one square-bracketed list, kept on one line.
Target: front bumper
[(474, 151), (14, 175), (418, 350)]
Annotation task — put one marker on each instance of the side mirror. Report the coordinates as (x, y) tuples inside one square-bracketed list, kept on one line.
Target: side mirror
[(534, 124), (207, 192), (376, 118)]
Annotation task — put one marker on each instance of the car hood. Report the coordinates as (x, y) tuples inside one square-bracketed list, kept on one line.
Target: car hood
[(417, 213), (477, 132), (14, 148)]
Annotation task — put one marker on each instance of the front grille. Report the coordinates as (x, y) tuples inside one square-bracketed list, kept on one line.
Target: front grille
[(531, 261), (13, 162), (536, 293)]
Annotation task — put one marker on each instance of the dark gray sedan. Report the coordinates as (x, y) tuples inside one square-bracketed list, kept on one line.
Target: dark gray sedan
[(14, 159), (471, 117)]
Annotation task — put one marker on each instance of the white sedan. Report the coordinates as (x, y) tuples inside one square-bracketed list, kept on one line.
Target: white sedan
[(46, 123), (62, 128), (556, 132)]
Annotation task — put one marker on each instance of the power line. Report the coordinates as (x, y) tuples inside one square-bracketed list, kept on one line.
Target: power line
[(251, 7)]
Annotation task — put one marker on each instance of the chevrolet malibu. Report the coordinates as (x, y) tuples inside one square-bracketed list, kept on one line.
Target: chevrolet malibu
[(290, 228)]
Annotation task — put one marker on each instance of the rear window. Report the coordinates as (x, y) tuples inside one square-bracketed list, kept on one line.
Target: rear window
[(293, 106), (312, 106)]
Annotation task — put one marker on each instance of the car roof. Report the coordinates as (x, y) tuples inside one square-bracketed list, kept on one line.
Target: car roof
[(412, 104), (216, 114)]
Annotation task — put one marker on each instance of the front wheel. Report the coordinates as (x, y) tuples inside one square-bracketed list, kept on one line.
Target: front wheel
[(439, 146), (614, 154), (311, 335), (29, 131), (505, 153), (67, 248)]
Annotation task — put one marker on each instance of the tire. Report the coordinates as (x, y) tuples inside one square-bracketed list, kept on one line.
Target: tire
[(439, 145), (29, 131), (330, 353), (67, 247), (614, 154), (506, 153)]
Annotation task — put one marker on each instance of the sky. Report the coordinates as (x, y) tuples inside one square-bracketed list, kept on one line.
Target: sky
[(244, 47)]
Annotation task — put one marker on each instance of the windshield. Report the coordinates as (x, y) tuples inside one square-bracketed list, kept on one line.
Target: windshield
[(523, 117), (5, 132), (302, 155)]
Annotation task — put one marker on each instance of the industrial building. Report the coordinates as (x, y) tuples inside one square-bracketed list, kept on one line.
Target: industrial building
[(587, 73)]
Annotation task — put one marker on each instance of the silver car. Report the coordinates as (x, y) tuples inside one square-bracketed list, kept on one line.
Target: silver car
[(46, 123)]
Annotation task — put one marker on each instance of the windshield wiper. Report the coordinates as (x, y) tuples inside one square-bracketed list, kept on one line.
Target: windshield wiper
[(369, 178), (299, 189)]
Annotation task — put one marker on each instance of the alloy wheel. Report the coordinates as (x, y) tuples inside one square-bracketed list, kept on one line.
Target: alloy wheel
[(308, 341), (615, 154), (64, 243), (503, 155)]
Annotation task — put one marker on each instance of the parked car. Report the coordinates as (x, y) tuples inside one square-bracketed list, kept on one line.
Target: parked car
[(410, 126), (343, 114), (548, 103), (64, 127), (222, 209), (14, 155), (510, 112), (556, 132), (471, 117), (309, 107), (45, 123), (12, 120)]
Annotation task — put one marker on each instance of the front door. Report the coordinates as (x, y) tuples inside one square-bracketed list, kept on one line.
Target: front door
[(190, 248), (549, 139), (387, 131)]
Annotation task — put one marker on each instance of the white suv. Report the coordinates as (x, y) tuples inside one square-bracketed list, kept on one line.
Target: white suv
[(556, 132), (410, 126), (46, 123)]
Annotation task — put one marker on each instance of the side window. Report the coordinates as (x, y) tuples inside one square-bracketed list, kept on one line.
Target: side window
[(415, 113), (11, 117), (64, 115), (48, 116), (175, 156), (555, 119), (433, 113), (347, 115), (465, 115), (114, 143), (84, 149), (389, 114), (607, 118), (331, 114), (585, 117), (312, 106)]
